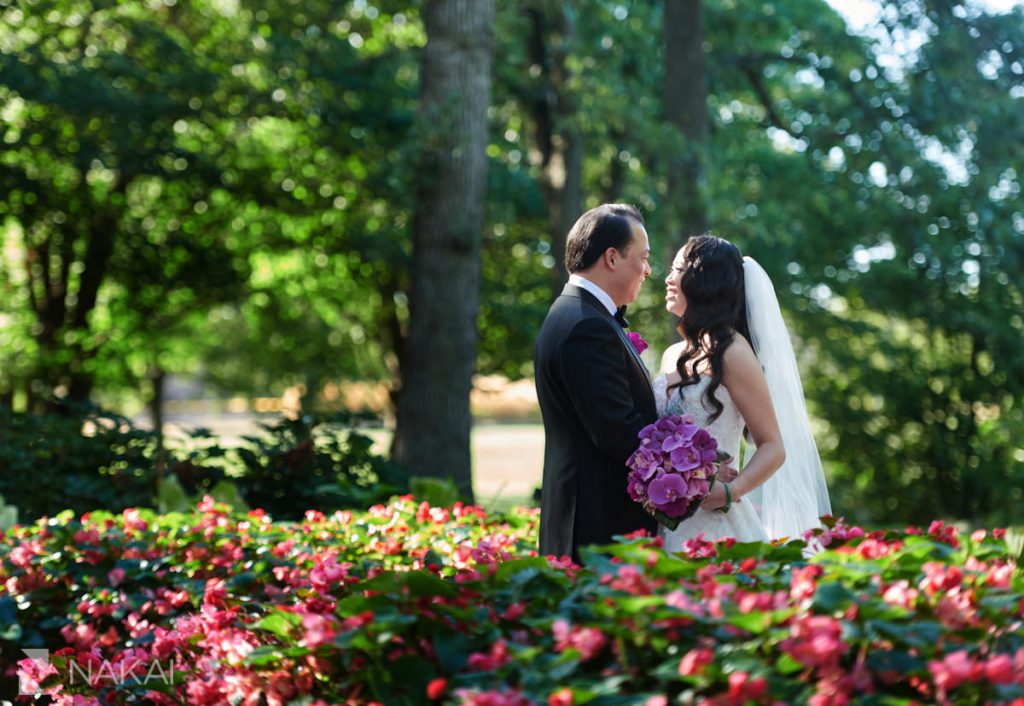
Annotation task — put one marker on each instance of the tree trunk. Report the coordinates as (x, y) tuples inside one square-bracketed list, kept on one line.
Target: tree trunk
[(157, 375), (59, 310), (563, 182), (685, 102), (433, 423), (616, 179), (559, 144)]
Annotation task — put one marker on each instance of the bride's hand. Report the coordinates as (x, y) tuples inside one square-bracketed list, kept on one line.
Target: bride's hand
[(726, 473), (715, 499)]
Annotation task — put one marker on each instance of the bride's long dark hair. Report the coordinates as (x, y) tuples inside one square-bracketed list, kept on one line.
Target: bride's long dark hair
[(716, 309)]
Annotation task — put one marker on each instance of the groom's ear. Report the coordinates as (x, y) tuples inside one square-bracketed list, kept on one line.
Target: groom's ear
[(610, 257)]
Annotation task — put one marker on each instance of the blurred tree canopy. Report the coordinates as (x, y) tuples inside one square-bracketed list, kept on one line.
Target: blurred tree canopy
[(228, 188)]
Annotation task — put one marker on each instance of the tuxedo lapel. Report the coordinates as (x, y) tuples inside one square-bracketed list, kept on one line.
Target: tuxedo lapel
[(632, 349), (571, 290)]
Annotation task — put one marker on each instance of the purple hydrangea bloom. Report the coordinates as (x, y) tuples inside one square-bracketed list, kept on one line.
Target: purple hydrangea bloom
[(685, 458), (672, 470), (645, 462), (679, 508), (698, 488), (637, 487), (705, 445), (666, 489)]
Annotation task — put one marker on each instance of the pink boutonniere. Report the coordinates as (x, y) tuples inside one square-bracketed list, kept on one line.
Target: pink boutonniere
[(638, 342)]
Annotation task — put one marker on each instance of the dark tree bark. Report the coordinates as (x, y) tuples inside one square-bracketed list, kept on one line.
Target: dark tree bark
[(62, 310), (157, 376), (433, 420), (685, 102), (556, 136)]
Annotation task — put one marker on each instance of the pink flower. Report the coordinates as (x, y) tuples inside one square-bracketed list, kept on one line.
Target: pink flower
[(491, 698), (1000, 670), (32, 673), (901, 594), (82, 635), (76, 700), (742, 688), (327, 572), (695, 661), (317, 630), (490, 661), (132, 519), (115, 576), (587, 641), (955, 669), (699, 548), (562, 697), (938, 577), (803, 583), (944, 533), (216, 592), (1000, 574), (829, 698), (436, 688), (816, 641), (638, 341), (956, 609)]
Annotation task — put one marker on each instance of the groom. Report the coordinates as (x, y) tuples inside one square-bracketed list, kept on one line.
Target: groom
[(594, 391)]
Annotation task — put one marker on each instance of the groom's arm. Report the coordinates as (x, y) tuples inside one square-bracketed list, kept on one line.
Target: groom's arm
[(594, 365)]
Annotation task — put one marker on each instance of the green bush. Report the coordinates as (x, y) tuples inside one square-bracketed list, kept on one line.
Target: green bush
[(412, 605), (82, 460), (87, 459), (312, 462)]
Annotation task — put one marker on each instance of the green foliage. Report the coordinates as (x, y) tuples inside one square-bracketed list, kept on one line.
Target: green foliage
[(382, 604), (441, 493), (312, 462), (76, 461), (171, 496), (94, 459), (247, 171)]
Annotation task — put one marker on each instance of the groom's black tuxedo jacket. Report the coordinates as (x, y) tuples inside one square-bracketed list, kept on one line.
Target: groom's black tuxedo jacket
[(595, 397)]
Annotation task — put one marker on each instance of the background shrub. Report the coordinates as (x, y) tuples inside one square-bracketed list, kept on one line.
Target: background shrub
[(88, 459)]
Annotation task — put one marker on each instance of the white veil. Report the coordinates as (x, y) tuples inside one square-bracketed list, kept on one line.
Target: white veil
[(795, 497)]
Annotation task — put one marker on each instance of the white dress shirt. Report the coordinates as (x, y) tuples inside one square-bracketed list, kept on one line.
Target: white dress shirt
[(602, 296)]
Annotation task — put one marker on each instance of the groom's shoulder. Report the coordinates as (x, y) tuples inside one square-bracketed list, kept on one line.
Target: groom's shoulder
[(572, 320), (569, 308)]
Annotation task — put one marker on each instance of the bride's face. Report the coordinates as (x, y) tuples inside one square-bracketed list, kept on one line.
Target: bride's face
[(675, 302)]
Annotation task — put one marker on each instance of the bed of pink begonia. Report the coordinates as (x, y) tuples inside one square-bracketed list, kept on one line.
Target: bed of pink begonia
[(412, 604)]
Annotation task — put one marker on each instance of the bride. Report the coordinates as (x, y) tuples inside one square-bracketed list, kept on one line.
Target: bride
[(735, 370)]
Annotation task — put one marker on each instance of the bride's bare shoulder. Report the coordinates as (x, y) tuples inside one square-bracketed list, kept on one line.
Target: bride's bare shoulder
[(671, 357)]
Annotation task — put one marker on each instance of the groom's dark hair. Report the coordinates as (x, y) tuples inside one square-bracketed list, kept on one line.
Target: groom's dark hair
[(600, 228)]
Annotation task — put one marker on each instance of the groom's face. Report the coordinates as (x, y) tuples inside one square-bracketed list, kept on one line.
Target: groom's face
[(635, 267)]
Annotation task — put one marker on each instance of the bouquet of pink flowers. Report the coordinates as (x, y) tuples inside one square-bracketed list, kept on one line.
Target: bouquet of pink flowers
[(673, 469)]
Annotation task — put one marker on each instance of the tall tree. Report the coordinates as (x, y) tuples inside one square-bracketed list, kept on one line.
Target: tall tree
[(439, 357), (685, 95), (556, 134)]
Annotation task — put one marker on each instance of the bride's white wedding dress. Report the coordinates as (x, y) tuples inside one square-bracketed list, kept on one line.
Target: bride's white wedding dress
[(794, 498), (742, 521)]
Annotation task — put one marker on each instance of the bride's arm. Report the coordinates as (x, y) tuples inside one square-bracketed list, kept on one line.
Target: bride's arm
[(743, 377)]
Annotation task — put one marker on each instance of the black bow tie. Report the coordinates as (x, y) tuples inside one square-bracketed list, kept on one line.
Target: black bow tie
[(620, 316)]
